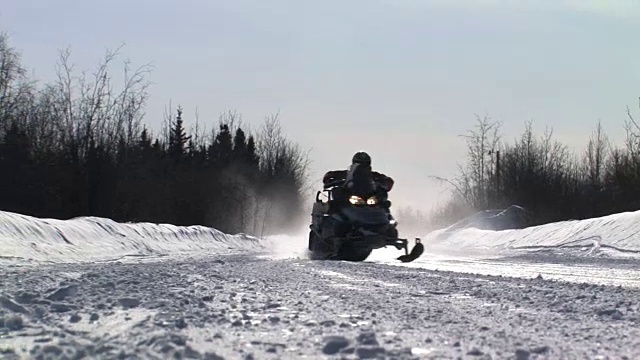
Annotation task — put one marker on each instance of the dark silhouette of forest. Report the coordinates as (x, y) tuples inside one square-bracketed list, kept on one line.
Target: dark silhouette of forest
[(78, 147), (541, 175)]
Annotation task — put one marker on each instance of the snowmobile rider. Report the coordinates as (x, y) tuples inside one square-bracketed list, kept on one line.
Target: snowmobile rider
[(359, 180)]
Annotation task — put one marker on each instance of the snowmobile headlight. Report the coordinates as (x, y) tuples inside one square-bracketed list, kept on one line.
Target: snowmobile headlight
[(372, 200), (356, 200)]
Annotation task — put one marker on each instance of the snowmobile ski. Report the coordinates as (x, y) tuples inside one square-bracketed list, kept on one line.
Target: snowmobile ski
[(415, 253)]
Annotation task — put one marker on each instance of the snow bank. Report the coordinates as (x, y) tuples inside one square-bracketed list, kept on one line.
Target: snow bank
[(617, 234), (513, 217), (97, 239)]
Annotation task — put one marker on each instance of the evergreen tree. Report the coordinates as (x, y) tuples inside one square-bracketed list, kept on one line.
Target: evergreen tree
[(252, 154), (178, 138), (224, 145), (239, 146)]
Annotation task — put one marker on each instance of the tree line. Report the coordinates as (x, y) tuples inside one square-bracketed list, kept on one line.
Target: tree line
[(78, 147), (542, 175)]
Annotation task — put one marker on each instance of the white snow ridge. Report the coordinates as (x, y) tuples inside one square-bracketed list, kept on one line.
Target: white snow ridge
[(87, 239), (618, 235)]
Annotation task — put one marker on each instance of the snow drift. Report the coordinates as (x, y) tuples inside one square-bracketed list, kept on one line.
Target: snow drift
[(86, 239), (614, 235), (513, 217)]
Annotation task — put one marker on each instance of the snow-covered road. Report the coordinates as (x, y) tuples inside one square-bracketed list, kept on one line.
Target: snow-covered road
[(92, 288), (243, 307)]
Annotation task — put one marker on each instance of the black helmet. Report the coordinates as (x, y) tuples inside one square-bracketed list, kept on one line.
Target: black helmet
[(362, 158)]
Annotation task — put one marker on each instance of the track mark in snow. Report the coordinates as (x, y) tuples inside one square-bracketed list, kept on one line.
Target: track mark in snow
[(334, 274), (356, 283)]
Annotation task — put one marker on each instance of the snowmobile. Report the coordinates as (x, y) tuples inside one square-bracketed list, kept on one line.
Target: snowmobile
[(350, 230)]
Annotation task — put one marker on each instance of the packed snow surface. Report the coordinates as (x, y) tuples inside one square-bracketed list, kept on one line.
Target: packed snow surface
[(93, 288)]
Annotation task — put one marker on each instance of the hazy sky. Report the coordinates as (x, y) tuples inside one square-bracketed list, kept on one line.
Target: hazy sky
[(398, 78)]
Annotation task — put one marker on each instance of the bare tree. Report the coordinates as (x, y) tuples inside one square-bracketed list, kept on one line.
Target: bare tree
[(282, 159), (595, 157), (92, 111), (474, 178), (14, 85), (270, 141), (232, 119), (633, 134), (198, 130), (276, 150), (167, 123)]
